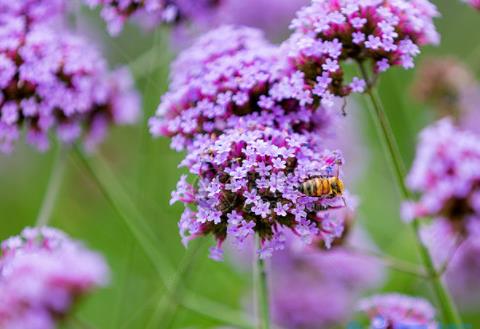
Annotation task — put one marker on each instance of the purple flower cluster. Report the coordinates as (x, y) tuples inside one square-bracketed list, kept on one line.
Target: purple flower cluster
[(232, 74), (42, 275), (56, 81), (398, 311), (317, 297), (383, 32), (248, 182), (446, 173), (116, 13)]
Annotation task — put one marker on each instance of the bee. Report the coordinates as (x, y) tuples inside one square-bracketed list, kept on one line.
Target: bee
[(324, 186)]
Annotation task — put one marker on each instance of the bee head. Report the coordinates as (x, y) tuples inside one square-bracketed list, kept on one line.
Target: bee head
[(338, 186)]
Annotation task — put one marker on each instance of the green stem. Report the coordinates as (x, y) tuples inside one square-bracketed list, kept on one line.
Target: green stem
[(53, 188), (392, 262), (394, 158), (128, 212), (263, 302), (168, 305)]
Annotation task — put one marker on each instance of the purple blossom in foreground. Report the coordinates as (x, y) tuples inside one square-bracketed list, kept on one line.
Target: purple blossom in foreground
[(446, 173), (116, 13), (308, 294), (460, 253), (398, 311), (51, 81), (248, 181), (42, 275), (232, 74), (385, 33)]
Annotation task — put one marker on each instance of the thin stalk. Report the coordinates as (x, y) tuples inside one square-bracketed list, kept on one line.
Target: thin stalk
[(128, 212), (392, 262), (394, 158), (263, 303), (168, 305), (458, 243), (53, 188)]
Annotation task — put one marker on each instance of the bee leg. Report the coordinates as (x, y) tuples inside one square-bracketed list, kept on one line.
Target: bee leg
[(344, 202), (344, 112)]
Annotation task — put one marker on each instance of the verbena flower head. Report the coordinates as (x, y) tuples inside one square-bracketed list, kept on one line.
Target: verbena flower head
[(57, 82), (398, 311), (461, 253), (247, 184), (384, 33), (116, 13), (42, 275), (232, 74), (446, 174)]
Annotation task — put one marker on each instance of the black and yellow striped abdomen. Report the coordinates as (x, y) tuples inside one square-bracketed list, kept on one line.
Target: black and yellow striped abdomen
[(322, 186)]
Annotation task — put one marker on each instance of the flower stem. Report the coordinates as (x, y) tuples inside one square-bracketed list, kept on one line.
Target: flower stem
[(133, 218), (392, 262), (53, 188), (263, 303), (394, 158)]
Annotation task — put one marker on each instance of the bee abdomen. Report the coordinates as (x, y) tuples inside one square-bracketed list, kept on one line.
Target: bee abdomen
[(316, 187)]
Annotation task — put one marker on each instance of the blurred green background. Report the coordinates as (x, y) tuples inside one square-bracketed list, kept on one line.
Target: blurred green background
[(148, 171)]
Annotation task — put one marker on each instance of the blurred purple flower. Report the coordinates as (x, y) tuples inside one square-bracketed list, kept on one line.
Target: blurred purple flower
[(398, 311), (446, 173), (231, 199), (450, 87), (460, 253), (317, 297), (271, 16), (116, 13), (33, 11), (57, 81), (42, 275), (233, 74)]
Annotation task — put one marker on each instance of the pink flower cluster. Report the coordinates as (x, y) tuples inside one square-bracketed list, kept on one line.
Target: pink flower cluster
[(384, 33), (398, 311), (56, 81), (116, 13), (42, 275), (446, 174), (248, 182), (232, 73)]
